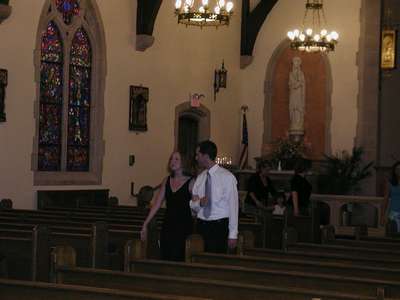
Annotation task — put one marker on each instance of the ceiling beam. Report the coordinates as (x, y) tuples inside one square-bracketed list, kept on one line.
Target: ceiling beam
[(146, 15), (251, 25)]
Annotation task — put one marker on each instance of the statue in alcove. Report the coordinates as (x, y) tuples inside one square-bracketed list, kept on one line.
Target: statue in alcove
[(3, 84), (297, 90), (139, 96)]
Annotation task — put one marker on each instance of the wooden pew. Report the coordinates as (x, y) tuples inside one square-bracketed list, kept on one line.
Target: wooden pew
[(292, 264), (359, 260), (17, 290), (388, 245), (295, 279), (98, 245), (384, 254), (27, 256), (215, 289)]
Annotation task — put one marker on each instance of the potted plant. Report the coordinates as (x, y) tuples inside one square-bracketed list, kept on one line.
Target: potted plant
[(343, 172)]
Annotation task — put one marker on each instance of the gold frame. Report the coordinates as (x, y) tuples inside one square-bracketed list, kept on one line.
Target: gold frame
[(388, 49)]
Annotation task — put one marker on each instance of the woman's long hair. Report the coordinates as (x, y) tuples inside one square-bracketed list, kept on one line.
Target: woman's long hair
[(393, 176), (185, 163)]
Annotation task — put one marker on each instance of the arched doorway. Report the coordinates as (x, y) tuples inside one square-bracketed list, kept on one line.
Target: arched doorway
[(188, 135), (192, 125)]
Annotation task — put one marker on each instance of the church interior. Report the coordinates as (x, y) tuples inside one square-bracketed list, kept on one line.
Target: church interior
[(106, 90)]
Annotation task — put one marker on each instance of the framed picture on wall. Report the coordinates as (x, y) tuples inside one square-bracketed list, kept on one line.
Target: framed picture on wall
[(139, 96), (388, 49)]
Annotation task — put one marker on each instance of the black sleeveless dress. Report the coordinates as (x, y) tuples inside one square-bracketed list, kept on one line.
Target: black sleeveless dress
[(178, 222)]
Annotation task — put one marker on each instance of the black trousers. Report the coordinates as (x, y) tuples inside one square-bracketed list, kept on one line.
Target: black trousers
[(215, 234)]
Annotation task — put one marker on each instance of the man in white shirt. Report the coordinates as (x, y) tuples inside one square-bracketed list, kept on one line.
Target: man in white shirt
[(215, 201)]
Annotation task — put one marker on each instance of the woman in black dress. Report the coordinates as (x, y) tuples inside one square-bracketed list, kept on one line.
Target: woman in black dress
[(260, 188), (176, 189)]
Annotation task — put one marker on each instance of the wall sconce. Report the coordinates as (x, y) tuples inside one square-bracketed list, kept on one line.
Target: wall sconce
[(220, 77)]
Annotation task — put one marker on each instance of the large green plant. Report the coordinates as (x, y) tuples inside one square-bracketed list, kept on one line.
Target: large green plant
[(343, 172)]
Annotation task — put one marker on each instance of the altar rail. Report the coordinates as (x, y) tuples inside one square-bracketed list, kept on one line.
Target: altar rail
[(336, 204)]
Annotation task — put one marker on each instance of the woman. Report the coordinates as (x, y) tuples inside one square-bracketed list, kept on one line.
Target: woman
[(391, 204), (260, 187), (177, 225), (300, 190)]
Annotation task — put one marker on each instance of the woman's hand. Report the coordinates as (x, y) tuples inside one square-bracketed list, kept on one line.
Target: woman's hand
[(143, 233)]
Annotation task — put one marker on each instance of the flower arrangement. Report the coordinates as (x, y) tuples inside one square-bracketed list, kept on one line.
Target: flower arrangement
[(285, 152)]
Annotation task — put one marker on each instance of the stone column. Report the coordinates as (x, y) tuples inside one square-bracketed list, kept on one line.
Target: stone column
[(368, 94)]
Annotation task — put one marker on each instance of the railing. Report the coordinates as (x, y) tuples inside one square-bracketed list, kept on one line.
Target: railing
[(336, 202)]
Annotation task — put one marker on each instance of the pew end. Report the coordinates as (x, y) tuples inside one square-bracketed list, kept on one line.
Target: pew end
[(245, 240), (194, 245), (290, 237), (327, 233), (61, 256), (134, 250), (360, 231)]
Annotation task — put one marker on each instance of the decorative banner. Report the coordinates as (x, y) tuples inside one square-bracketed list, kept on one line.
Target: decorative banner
[(244, 151), (388, 50)]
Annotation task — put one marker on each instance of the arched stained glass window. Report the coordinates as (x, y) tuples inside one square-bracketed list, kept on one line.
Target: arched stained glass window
[(51, 100), (68, 9), (69, 110), (79, 103)]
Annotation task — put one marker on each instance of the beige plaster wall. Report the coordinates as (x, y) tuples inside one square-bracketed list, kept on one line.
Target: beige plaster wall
[(181, 61), (342, 16)]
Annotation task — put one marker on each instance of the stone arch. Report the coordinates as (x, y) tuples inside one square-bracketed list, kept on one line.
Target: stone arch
[(270, 83)]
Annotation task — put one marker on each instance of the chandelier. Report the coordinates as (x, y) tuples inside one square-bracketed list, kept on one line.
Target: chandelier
[(314, 38), (203, 14)]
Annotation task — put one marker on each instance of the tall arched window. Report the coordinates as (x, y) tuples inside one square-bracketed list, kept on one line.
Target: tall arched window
[(70, 55)]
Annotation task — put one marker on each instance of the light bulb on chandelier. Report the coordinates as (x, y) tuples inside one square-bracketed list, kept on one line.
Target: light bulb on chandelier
[(313, 39), (202, 14)]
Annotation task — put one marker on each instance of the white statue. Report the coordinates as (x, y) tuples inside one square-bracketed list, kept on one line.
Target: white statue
[(297, 91)]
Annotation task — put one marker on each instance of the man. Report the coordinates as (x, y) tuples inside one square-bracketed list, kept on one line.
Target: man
[(215, 200)]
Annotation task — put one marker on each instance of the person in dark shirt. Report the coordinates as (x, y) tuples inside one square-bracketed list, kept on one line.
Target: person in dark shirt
[(260, 188), (300, 189)]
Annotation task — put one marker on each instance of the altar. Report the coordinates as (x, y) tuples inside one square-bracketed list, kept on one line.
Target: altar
[(281, 179)]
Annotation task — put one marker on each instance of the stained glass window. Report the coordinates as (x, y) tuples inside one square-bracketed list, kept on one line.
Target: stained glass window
[(51, 100), (79, 103), (68, 9)]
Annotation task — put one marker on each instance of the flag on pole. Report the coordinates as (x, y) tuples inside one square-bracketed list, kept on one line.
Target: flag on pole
[(244, 153)]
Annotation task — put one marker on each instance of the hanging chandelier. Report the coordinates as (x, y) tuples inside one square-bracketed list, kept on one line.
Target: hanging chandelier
[(313, 37), (203, 14)]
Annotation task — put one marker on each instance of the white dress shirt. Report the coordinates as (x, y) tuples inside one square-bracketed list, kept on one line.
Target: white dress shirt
[(224, 193)]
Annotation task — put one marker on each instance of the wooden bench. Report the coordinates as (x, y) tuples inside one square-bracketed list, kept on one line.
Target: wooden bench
[(26, 255), (215, 289), (388, 245), (17, 290), (277, 278), (321, 256), (292, 264), (373, 254)]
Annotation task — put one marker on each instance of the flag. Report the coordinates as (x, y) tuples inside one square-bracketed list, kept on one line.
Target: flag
[(244, 153)]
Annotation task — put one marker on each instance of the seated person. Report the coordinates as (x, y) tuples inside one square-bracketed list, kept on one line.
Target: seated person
[(260, 187), (279, 207)]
